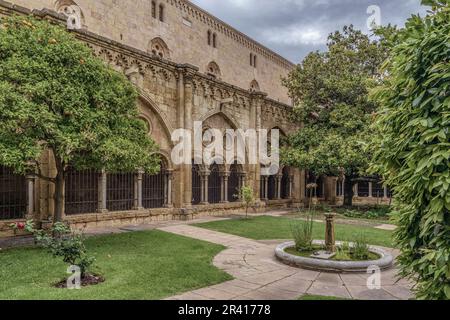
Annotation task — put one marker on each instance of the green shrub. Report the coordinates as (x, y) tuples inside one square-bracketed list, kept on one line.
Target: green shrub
[(413, 151), (302, 232), (342, 252), (246, 194), (61, 242), (360, 248)]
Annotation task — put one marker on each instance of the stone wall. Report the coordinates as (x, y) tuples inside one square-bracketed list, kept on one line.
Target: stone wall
[(172, 95), (184, 38)]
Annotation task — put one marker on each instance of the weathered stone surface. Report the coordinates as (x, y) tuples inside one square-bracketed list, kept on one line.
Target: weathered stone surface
[(385, 261)]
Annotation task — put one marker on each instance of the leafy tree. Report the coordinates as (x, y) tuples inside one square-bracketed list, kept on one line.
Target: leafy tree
[(413, 147), (330, 91), (246, 194), (55, 95)]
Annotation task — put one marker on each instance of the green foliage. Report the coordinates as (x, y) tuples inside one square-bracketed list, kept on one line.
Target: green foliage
[(61, 242), (56, 95), (343, 252), (413, 147), (246, 194), (376, 212), (330, 91), (302, 232), (360, 249)]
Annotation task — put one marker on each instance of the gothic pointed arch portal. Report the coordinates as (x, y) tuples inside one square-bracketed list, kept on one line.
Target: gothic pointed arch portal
[(158, 125)]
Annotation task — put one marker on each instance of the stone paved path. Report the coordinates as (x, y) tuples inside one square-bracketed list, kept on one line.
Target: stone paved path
[(259, 276)]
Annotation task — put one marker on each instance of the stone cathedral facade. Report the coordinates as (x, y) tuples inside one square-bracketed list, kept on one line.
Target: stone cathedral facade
[(188, 66)]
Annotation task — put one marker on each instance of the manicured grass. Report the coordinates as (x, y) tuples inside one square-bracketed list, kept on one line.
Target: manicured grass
[(138, 265), (267, 228), (308, 297)]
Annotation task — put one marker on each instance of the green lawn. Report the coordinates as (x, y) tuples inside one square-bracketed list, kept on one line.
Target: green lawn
[(138, 265), (267, 228)]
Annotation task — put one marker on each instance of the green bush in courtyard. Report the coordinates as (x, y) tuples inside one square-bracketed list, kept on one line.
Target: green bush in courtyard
[(61, 242), (413, 151)]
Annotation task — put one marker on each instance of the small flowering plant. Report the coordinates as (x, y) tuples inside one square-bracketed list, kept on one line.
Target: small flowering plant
[(19, 226)]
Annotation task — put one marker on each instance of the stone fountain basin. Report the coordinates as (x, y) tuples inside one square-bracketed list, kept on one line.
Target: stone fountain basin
[(385, 261)]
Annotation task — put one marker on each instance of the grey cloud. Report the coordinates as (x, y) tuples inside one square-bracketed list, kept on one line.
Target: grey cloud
[(294, 28)]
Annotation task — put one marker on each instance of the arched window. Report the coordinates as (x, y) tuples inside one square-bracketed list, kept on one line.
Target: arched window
[(214, 40), (154, 9), (153, 188), (318, 191), (161, 12), (196, 184), (254, 86), (120, 191), (254, 61), (234, 183), (81, 191), (72, 11), (209, 37), (13, 198), (340, 188), (214, 184), (251, 59), (213, 70), (272, 188), (159, 48)]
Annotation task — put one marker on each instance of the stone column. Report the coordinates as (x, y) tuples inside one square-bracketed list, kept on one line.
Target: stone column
[(204, 187), (291, 186), (278, 186), (385, 190), (138, 191), (330, 241), (168, 195), (256, 121), (102, 192), (370, 189), (330, 189), (224, 187), (355, 190), (30, 179)]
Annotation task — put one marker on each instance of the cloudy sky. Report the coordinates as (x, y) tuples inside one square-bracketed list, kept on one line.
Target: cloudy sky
[(295, 27)]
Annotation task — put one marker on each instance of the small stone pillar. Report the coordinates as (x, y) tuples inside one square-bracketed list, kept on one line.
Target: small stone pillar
[(278, 186), (330, 241), (204, 176), (102, 185), (224, 186), (138, 190), (30, 179), (168, 203)]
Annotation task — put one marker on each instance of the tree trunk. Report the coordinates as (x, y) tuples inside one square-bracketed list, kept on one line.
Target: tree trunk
[(59, 192), (348, 191)]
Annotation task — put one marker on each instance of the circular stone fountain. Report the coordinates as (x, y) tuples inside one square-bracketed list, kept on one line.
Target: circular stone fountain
[(384, 262)]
